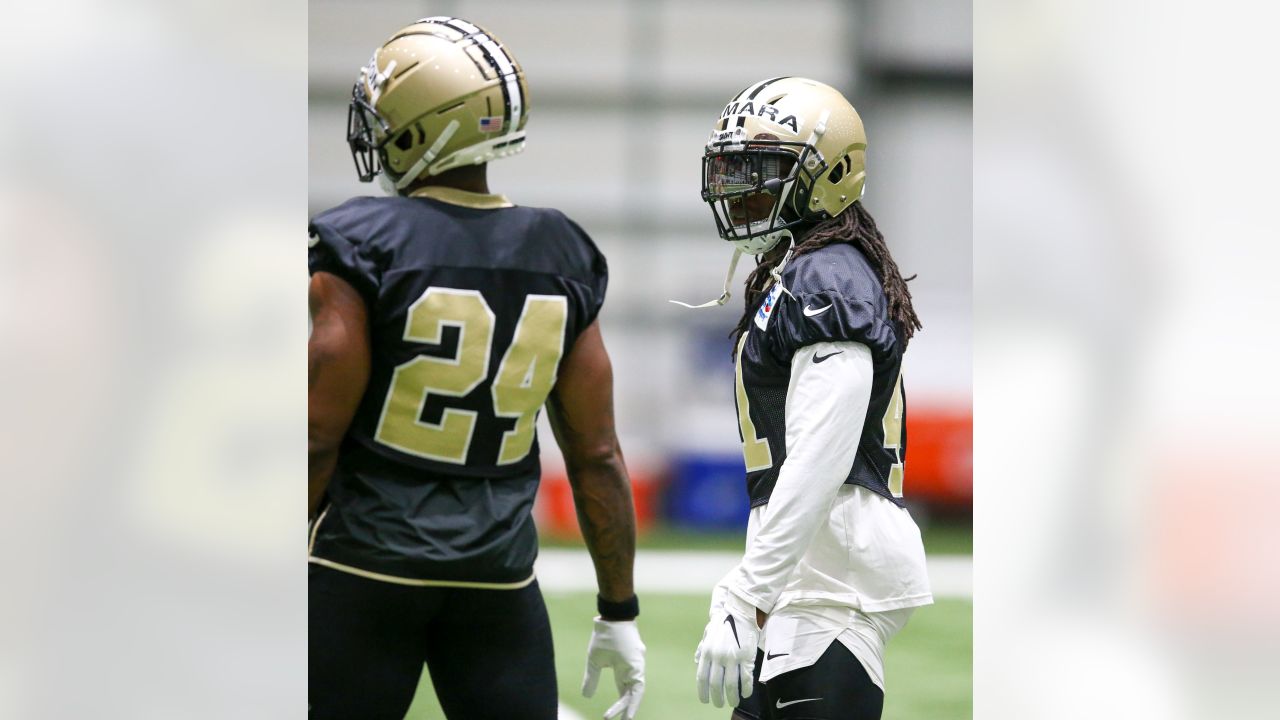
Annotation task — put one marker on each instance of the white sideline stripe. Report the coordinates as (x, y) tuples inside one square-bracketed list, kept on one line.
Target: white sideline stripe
[(696, 571), (567, 713)]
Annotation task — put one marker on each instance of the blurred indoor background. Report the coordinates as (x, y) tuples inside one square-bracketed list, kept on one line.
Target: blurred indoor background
[(623, 95), (153, 182), (154, 178)]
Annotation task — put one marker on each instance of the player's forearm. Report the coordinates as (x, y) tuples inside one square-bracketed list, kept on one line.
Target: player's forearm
[(329, 416), (602, 496), (322, 458), (325, 430)]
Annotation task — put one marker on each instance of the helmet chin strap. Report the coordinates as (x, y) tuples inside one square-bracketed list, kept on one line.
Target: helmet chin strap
[(386, 184), (775, 273), (413, 172), (724, 296)]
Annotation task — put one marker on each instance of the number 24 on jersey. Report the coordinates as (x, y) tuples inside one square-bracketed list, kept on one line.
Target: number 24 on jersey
[(525, 376)]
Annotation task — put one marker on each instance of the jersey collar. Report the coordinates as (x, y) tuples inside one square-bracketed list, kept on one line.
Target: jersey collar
[(464, 198)]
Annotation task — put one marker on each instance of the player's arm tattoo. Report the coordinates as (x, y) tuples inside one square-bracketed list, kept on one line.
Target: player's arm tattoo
[(581, 415), (337, 373)]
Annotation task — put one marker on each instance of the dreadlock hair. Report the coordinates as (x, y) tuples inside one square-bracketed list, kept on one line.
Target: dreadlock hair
[(856, 227)]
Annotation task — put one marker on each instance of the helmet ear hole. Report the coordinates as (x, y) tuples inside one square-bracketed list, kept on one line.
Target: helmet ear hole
[(405, 140), (838, 171)]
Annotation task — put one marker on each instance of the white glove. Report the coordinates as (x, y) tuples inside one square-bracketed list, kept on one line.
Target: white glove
[(727, 654), (617, 645), (718, 594)]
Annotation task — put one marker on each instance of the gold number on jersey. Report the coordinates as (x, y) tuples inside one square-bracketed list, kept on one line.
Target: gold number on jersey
[(755, 450), (528, 371), (892, 426), (525, 376), (413, 382)]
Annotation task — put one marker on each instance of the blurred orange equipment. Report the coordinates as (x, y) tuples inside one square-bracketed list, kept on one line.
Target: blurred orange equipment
[(554, 512), (939, 467)]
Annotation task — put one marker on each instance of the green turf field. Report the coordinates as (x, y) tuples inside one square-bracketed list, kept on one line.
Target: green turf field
[(928, 673)]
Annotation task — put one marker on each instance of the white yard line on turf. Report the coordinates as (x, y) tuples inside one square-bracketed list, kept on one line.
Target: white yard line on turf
[(696, 571)]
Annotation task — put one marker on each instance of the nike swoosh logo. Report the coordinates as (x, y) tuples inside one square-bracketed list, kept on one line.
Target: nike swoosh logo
[(810, 312), (734, 627), (820, 358), (781, 704), (771, 656)]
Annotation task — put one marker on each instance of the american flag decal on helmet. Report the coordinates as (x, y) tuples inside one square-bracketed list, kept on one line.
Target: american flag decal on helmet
[(491, 124)]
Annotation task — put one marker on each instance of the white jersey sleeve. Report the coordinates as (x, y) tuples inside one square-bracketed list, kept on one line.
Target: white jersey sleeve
[(827, 399)]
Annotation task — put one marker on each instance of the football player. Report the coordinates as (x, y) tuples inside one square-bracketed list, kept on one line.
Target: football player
[(444, 317), (834, 564)]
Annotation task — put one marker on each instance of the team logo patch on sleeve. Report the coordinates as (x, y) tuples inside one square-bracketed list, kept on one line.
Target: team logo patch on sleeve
[(766, 307)]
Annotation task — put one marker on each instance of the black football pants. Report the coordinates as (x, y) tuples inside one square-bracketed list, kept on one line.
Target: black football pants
[(489, 652), (836, 687)]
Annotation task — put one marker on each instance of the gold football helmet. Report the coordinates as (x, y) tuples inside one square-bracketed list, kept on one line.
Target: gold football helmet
[(784, 151), (441, 93)]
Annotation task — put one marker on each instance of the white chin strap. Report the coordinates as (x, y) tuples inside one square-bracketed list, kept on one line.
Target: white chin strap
[(482, 152), (386, 184), (724, 296), (775, 273), (431, 153)]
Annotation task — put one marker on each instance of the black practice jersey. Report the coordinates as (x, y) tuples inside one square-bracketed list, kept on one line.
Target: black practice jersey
[(835, 297), (471, 311)]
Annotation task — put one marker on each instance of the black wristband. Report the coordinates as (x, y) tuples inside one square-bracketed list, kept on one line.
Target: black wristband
[(626, 610)]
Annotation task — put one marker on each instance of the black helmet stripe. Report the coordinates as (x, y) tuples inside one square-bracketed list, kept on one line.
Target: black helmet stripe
[(755, 90), (503, 65)]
